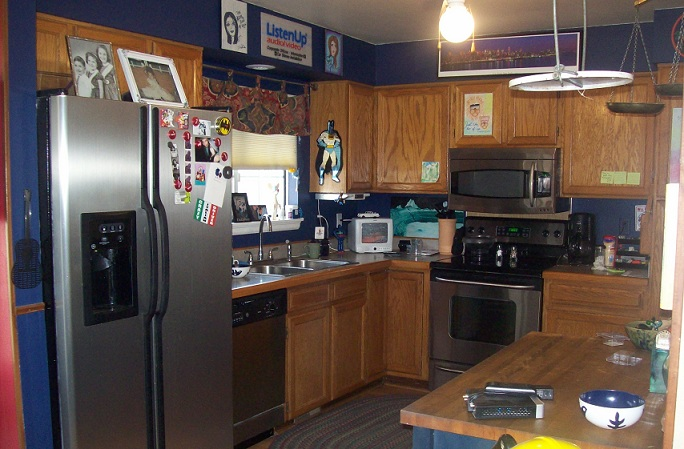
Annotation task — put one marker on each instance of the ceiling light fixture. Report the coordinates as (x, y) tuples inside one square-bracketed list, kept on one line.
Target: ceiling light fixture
[(562, 79), (456, 23), (260, 66)]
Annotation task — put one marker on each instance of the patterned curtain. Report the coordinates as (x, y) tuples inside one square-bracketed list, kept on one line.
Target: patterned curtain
[(259, 110)]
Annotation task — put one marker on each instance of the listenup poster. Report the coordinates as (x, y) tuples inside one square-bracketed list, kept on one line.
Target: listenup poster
[(285, 40)]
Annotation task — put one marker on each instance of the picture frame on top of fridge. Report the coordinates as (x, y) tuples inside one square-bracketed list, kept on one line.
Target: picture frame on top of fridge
[(152, 79), (241, 209), (92, 68)]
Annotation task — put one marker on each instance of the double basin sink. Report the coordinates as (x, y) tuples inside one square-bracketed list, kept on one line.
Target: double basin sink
[(294, 266)]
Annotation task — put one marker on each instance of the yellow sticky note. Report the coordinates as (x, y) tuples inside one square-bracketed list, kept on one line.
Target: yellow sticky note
[(620, 177), (607, 177), (633, 178)]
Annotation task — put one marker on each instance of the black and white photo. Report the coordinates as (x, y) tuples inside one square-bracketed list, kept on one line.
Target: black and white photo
[(241, 209), (92, 68)]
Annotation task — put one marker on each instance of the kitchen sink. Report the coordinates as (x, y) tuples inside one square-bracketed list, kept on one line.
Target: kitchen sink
[(278, 269), (313, 264)]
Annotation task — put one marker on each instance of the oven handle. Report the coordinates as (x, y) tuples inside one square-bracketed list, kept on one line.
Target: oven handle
[(488, 284), (533, 168), (449, 370)]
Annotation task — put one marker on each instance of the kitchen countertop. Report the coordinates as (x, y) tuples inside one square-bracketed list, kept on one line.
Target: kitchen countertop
[(361, 262), (634, 273), (571, 365)]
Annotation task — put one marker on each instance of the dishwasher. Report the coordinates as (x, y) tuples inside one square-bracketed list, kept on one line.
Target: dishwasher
[(258, 366)]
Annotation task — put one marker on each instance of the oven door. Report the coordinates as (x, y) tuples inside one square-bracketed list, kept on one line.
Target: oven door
[(472, 316)]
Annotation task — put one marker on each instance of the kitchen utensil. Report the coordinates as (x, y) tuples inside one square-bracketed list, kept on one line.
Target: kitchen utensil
[(26, 272), (611, 409)]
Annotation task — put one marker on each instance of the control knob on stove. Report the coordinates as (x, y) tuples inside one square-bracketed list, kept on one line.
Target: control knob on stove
[(545, 233), (557, 234), (481, 230)]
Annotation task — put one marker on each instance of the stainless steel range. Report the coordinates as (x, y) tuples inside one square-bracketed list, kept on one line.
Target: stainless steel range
[(489, 293)]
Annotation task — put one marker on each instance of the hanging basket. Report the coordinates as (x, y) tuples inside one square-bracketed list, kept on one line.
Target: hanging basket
[(673, 89), (632, 107)]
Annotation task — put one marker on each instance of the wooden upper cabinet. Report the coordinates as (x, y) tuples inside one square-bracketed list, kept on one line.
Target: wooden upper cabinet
[(531, 117), (606, 154), (52, 54), (54, 67), (352, 107), (412, 129), (488, 113), (477, 113)]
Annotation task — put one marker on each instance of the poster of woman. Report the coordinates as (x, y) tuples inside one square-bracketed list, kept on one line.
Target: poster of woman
[(333, 53), (234, 25)]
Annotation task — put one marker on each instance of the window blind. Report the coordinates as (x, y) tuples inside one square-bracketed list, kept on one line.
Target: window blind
[(261, 152)]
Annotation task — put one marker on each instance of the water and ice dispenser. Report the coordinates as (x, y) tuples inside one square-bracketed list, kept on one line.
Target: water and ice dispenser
[(109, 266)]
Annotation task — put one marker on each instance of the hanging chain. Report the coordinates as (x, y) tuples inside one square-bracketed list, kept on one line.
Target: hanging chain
[(678, 50)]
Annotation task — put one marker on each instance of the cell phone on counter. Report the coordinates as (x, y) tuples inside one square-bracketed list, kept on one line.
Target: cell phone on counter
[(542, 391)]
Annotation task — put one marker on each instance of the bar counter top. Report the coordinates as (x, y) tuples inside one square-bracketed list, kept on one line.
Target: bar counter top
[(571, 365)]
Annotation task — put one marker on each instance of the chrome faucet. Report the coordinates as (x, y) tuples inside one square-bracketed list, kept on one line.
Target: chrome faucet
[(260, 254)]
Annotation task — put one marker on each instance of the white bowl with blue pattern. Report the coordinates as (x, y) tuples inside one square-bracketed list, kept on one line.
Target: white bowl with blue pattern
[(240, 271), (611, 409)]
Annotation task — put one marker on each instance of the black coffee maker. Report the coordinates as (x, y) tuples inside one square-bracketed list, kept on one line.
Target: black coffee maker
[(581, 238)]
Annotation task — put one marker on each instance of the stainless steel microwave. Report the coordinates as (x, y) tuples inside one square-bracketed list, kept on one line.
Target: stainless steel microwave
[(506, 180)]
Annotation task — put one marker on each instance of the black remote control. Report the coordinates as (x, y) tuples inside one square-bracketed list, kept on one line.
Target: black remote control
[(543, 391)]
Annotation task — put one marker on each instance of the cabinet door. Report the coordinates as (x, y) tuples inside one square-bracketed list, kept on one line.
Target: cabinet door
[(307, 361), (361, 138), (404, 330), (347, 345), (51, 46), (477, 113), (531, 117), (188, 62), (374, 327), (606, 154), (352, 107), (412, 130)]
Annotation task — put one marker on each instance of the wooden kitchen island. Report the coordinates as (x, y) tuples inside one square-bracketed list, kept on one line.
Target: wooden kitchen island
[(571, 365)]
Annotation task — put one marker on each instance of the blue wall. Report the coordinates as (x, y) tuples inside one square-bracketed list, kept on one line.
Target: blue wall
[(198, 23)]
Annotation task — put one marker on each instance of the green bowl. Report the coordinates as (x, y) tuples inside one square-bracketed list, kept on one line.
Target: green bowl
[(642, 338)]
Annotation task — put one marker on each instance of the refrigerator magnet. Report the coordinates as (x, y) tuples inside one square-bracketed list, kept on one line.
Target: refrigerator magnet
[(200, 174), (205, 212)]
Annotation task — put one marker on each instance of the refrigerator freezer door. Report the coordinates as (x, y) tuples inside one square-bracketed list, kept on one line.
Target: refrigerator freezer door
[(94, 162), (194, 327)]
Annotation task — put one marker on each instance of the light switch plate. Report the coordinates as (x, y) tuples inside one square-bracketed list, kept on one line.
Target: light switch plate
[(639, 210), (319, 233)]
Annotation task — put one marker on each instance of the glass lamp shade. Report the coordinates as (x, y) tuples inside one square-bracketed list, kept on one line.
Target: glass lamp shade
[(456, 24)]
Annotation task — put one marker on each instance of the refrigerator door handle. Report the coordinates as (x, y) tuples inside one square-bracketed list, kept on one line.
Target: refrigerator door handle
[(151, 221), (163, 222)]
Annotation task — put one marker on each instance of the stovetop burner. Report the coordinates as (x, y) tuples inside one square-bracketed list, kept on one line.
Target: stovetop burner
[(538, 245)]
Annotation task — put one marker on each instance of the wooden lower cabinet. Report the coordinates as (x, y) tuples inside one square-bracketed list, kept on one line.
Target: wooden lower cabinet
[(584, 304), (307, 359), (406, 323), (374, 327)]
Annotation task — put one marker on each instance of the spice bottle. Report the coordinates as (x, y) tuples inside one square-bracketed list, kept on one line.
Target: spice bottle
[(609, 253)]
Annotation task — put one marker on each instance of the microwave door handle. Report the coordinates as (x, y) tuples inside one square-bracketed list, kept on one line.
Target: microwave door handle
[(533, 169)]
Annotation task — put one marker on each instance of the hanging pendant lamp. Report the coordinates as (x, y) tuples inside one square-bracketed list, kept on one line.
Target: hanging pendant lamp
[(561, 79), (456, 23)]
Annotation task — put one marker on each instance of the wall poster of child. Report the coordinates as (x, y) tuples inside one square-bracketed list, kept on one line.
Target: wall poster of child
[(93, 70)]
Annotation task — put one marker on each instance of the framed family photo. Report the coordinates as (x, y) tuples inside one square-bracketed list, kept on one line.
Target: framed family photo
[(241, 209), (258, 211), (152, 79), (92, 68)]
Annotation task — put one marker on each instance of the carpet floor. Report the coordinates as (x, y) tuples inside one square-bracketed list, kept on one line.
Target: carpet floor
[(368, 423)]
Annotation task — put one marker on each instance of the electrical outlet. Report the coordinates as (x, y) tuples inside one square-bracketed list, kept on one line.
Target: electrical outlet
[(319, 233), (639, 211), (338, 219)]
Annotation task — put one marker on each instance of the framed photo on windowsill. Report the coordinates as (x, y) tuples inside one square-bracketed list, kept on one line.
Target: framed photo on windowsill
[(152, 79), (258, 212), (241, 209)]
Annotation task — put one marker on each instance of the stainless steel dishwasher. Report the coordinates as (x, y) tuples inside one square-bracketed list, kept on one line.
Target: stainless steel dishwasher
[(258, 366)]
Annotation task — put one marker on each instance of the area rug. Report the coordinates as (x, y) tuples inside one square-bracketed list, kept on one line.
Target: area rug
[(368, 423)]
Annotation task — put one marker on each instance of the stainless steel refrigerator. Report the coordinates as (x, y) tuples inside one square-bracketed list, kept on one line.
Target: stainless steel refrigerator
[(136, 240)]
